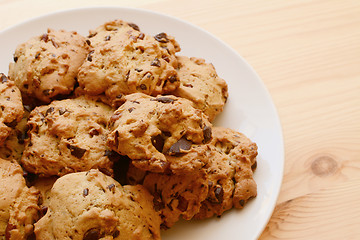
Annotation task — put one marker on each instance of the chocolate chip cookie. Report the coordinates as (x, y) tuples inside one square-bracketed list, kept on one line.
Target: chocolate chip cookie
[(200, 83), (159, 133), (18, 203), (175, 196), (45, 67), (11, 108), (229, 172), (124, 60), (68, 136), (91, 205)]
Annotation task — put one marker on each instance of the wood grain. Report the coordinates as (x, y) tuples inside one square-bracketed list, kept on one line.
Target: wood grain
[(307, 52)]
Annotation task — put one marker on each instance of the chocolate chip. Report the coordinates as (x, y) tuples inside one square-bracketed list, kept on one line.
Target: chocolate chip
[(253, 167), (182, 145), (161, 37), (49, 110), (92, 35), (111, 187), (141, 36), (47, 92), (54, 43), (89, 57), (143, 87), (93, 132), (26, 86), (242, 202), (92, 234), (188, 85), (183, 204), (15, 59), (76, 151), (158, 142), (45, 37), (85, 192), (4, 79), (131, 109), (207, 132), (166, 58), (134, 26), (105, 171), (219, 194), (107, 38), (119, 96), (158, 203), (62, 111), (172, 79), (115, 116), (138, 69), (37, 56), (163, 99), (88, 42), (155, 63)]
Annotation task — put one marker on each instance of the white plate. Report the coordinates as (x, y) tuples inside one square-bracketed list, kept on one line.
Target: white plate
[(249, 108)]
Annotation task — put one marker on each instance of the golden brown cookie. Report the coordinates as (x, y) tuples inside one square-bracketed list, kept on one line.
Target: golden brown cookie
[(229, 172), (200, 83), (68, 136), (11, 108), (91, 205), (159, 133), (18, 203), (45, 67), (175, 196), (124, 60)]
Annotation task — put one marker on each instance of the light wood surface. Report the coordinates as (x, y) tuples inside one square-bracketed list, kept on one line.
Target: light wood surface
[(308, 55)]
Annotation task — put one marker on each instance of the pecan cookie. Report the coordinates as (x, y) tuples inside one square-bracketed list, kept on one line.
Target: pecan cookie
[(159, 133), (11, 108), (45, 67), (124, 60), (91, 205), (175, 196), (200, 83), (18, 203), (68, 136), (229, 172)]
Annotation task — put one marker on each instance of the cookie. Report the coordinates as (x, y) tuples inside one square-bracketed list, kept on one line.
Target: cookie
[(91, 205), (124, 60), (18, 203), (175, 196), (159, 133), (45, 67), (229, 172), (11, 108), (13, 146), (68, 136), (200, 83)]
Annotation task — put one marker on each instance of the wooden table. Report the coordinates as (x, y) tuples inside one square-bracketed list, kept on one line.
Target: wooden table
[(308, 55)]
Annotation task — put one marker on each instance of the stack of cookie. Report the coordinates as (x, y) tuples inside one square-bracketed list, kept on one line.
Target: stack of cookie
[(110, 136)]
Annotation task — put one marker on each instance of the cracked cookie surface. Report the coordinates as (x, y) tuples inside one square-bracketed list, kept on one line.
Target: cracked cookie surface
[(68, 136), (124, 60), (159, 133), (91, 205), (200, 83), (45, 67)]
